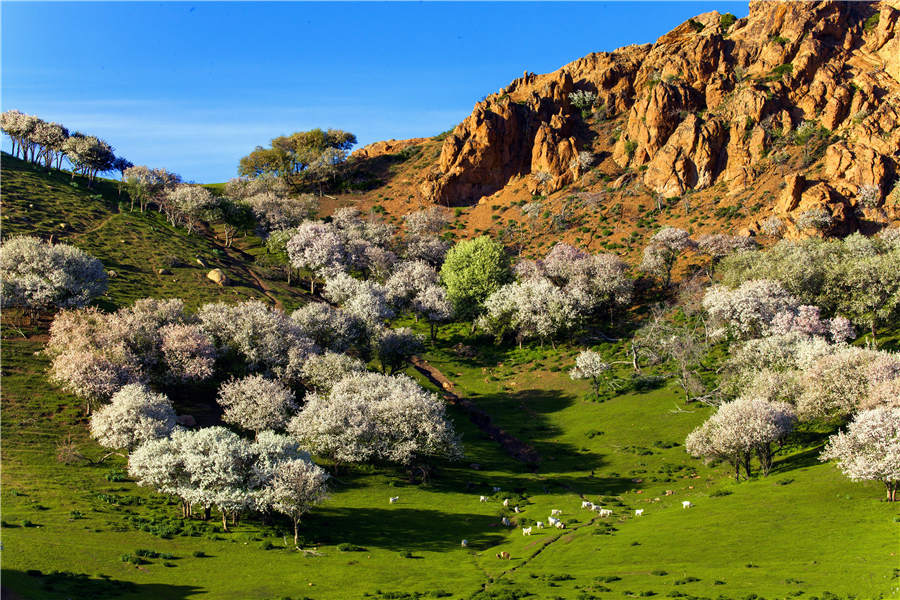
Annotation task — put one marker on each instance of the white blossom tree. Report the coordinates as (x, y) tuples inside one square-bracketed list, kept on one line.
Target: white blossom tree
[(374, 417), (297, 487), (322, 371), (428, 221), (317, 248), (663, 251), (741, 428), (433, 305), (38, 276), (256, 404), (265, 338), (533, 308), (590, 365), (187, 203), (134, 415), (188, 353), (749, 310), (409, 279), (870, 448), (328, 327)]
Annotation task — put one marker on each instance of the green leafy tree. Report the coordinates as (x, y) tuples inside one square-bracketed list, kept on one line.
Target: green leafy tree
[(305, 159), (472, 271)]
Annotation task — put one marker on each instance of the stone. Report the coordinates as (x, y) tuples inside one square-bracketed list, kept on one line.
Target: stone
[(217, 276)]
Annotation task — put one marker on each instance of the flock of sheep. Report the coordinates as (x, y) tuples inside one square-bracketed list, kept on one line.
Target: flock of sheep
[(552, 520)]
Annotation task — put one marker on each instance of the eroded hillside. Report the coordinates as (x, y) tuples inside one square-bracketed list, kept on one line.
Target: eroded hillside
[(720, 124)]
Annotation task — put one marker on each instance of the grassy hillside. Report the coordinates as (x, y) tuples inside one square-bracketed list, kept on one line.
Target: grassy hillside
[(805, 531)]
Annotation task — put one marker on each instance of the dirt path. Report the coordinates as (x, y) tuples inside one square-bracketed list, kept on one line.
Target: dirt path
[(513, 446)]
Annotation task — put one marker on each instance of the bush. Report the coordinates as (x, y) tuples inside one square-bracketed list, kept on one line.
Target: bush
[(199, 554), (345, 547), (720, 493), (727, 20)]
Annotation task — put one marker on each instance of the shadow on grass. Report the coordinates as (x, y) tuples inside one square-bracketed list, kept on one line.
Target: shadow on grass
[(35, 584), (401, 529)]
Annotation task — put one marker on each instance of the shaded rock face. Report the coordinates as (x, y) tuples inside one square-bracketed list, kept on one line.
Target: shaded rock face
[(701, 105)]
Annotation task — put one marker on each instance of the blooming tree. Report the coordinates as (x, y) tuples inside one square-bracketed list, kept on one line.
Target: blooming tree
[(298, 485), (327, 326), (134, 415), (375, 417), (433, 305), (870, 448), (749, 310), (533, 308), (38, 276), (256, 403), (590, 365), (664, 248), (188, 353), (322, 371), (317, 248), (741, 428)]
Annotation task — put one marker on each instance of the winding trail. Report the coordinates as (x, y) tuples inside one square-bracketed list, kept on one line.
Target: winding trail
[(513, 446)]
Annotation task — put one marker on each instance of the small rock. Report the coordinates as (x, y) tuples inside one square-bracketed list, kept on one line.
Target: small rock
[(201, 263), (112, 274), (218, 276)]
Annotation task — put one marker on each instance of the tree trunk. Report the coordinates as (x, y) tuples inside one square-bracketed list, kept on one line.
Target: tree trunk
[(312, 286), (747, 464), (224, 520), (206, 513), (296, 530)]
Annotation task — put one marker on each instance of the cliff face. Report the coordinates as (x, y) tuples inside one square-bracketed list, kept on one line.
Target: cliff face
[(704, 105)]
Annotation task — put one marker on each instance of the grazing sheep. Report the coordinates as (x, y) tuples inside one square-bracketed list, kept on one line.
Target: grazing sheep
[(504, 521), (503, 555), (483, 499), (506, 502), (526, 531), (465, 543), (560, 525), (586, 504), (670, 492), (596, 507), (553, 521), (554, 512), (539, 524), (639, 512), (516, 509), (686, 504), (605, 512), (393, 499)]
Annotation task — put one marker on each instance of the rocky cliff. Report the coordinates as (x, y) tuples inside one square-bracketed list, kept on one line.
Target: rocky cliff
[(717, 100)]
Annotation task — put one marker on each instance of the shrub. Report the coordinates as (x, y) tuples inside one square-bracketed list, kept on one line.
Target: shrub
[(346, 547)]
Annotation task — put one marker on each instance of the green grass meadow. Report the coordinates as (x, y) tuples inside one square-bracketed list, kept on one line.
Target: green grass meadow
[(78, 530)]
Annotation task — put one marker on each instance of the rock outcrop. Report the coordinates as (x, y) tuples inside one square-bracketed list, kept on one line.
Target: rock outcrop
[(709, 102)]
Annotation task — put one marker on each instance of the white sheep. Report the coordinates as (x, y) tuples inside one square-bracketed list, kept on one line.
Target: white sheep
[(465, 543), (516, 509), (554, 512), (586, 504), (605, 512), (526, 531), (483, 499), (639, 512), (506, 502), (505, 522), (393, 499), (686, 504), (560, 525), (553, 521), (539, 524)]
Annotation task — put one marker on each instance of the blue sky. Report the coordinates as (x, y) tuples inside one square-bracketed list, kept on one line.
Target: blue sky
[(192, 87)]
